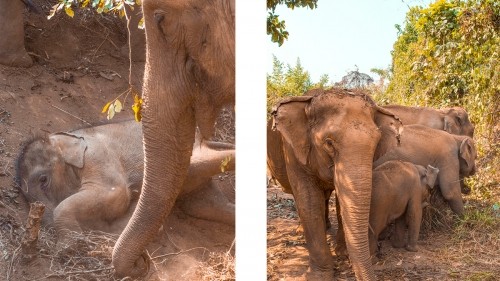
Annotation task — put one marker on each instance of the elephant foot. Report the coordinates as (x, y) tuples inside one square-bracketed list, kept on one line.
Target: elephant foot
[(411, 248), (20, 59), (315, 275)]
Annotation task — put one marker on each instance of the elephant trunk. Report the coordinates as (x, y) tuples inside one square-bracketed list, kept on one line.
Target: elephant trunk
[(353, 181), (168, 138)]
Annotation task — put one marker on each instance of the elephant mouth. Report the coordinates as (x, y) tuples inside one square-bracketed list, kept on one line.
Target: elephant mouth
[(464, 188)]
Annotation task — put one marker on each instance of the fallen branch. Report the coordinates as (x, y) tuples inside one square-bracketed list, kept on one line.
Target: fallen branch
[(75, 272), (71, 114), (178, 253), (30, 238)]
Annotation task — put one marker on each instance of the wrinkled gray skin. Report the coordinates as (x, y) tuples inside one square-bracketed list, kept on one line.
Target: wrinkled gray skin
[(454, 120), (325, 140), (88, 177), (189, 76), (453, 155), (399, 192), (12, 50)]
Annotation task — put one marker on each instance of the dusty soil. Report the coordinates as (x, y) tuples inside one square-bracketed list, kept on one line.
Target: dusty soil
[(78, 68)]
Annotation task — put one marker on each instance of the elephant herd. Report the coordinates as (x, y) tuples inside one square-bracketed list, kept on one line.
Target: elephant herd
[(381, 161)]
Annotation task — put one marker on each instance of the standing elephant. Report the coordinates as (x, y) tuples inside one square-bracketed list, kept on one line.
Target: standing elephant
[(454, 120), (324, 141), (399, 192), (453, 155), (189, 76), (12, 51)]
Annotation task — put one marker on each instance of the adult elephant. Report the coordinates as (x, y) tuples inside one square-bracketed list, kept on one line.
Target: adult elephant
[(327, 140), (453, 120), (12, 50), (189, 76)]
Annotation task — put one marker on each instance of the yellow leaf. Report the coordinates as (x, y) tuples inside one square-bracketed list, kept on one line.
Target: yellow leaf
[(111, 112), (138, 2), (69, 11), (85, 3), (105, 108), (118, 106), (140, 25), (224, 163), (137, 107)]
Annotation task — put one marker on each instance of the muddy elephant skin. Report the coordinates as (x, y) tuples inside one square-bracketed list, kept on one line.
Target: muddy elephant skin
[(454, 120), (327, 139), (87, 178), (12, 50), (453, 155), (399, 192), (189, 76)]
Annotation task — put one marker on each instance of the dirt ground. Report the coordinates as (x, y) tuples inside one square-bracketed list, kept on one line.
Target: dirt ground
[(79, 67)]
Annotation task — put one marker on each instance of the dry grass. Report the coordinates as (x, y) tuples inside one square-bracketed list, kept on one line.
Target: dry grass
[(219, 266)]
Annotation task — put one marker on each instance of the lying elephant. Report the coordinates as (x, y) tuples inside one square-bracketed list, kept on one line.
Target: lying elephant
[(90, 176), (454, 120), (453, 155), (399, 191)]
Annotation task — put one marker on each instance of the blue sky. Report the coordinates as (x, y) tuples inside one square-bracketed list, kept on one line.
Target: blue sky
[(340, 35)]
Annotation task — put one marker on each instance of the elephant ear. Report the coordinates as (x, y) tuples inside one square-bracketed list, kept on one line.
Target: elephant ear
[(291, 120), (468, 152), (452, 121), (431, 174), (72, 148)]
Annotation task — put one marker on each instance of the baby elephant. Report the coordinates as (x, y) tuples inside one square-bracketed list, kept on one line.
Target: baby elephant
[(398, 194), (89, 178)]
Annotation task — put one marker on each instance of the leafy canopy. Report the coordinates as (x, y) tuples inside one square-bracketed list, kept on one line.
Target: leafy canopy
[(448, 54), (285, 81), (276, 27)]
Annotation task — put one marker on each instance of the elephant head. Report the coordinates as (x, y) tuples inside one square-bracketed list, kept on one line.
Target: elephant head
[(428, 177), (329, 139), (189, 76), (467, 155), (47, 169), (456, 121)]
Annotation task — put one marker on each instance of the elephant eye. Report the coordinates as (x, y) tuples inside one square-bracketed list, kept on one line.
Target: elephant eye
[(329, 145), (44, 181), (459, 120)]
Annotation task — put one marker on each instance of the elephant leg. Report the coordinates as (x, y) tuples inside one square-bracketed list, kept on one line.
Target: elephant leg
[(398, 236), (414, 219), (310, 203), (340, 246), (90, 207), (12, 50), (209, 203)]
